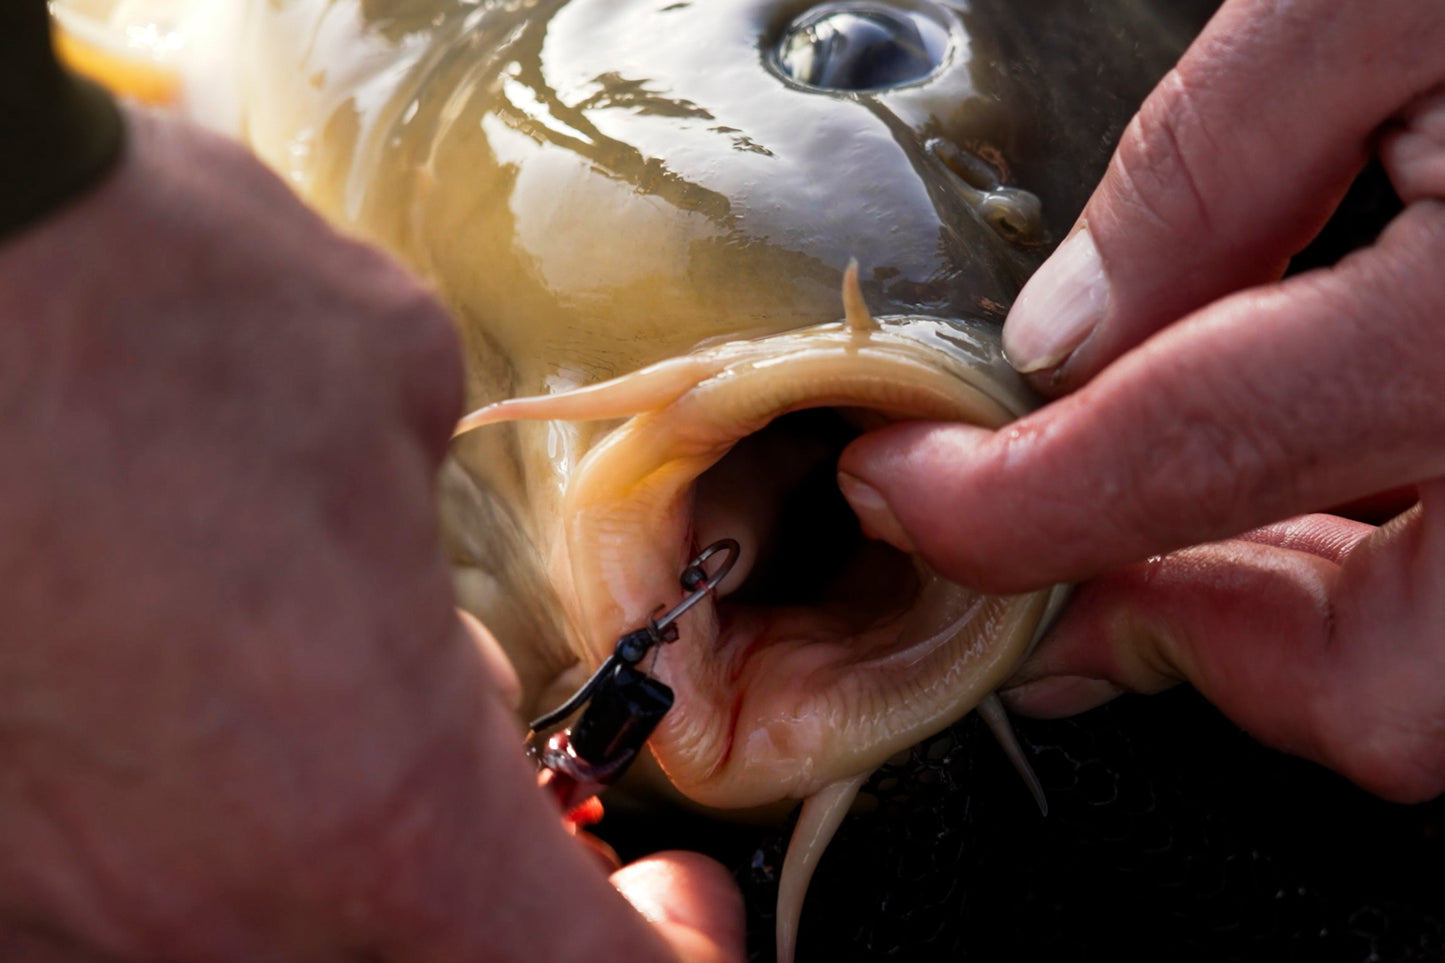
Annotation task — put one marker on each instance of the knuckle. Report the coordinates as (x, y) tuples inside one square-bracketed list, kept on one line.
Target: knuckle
[(1158, 178)]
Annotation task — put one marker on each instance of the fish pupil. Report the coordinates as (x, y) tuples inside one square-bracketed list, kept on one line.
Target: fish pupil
[(861, 45)]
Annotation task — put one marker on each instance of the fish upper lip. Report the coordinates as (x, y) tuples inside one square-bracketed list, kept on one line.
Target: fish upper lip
[(968, 349)]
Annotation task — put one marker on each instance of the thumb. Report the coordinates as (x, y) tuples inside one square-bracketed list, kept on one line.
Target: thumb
[(1228, 170), (691, 901)]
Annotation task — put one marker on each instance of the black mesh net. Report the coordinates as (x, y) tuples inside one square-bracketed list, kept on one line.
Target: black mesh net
[(1171, 835)]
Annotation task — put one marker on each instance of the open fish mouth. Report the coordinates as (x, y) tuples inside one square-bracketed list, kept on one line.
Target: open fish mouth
[(823, 652)]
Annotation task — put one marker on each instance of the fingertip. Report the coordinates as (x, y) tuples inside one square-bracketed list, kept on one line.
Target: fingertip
[(692, 901), (899, 459), (872, 476), (875, 453), (875, 514), (946, 492), (895, 478)]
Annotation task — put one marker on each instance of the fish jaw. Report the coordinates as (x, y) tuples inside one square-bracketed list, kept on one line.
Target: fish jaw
[(776, 700)]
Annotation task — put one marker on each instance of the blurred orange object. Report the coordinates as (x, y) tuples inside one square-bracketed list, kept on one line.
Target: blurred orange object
[(134, 79), (128, 49)]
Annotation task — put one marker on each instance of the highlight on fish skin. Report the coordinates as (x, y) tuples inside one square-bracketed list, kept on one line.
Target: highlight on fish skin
[(694, 250)]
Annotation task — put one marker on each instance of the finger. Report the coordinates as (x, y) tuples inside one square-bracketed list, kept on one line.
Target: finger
[(1105, 644), (1074, 670), (605, 855), (1413, 149), (1265, 405), (1296, 634), (1229, 168), (693, 903)]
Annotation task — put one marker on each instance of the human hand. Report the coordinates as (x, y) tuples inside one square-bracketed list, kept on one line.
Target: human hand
[(238, 717), (1204, 398)]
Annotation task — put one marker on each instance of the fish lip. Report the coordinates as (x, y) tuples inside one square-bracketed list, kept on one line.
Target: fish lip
[(639, 479)]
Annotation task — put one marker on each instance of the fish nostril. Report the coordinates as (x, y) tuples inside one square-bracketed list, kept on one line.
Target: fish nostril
[(1017, 215), (1014, 213), (859, 45), (969, 166)]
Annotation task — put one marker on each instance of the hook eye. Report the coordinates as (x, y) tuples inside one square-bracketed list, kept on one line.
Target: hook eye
[(860, 45), (695, 577), (697, 583)]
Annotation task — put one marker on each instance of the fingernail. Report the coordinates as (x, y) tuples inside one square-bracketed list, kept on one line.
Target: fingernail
[(873, 513), (1058, 696), (1058, 308)]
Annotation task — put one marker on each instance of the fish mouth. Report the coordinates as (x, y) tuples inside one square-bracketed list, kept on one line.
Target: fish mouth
[(823, 652)]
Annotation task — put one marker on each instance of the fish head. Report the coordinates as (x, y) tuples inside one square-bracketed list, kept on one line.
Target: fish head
[(606, 184), (649, 209)]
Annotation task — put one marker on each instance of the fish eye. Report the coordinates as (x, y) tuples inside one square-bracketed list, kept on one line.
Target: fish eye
[(861, 45)]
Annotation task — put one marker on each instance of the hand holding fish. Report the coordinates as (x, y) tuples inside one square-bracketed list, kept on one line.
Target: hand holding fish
[(1201, 398), (240, 718)]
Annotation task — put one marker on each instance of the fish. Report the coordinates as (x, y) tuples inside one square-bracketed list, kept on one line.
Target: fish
[(694, 248)]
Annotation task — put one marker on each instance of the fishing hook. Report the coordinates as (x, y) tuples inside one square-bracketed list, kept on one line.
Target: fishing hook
[(624, 704), (633, 647)]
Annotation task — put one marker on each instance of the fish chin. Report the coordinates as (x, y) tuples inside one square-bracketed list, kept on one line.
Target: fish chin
[(823, 653)]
